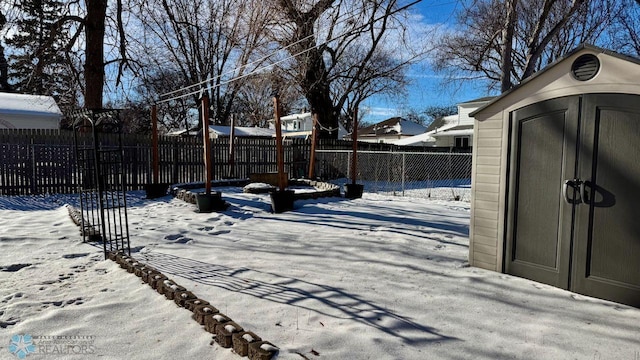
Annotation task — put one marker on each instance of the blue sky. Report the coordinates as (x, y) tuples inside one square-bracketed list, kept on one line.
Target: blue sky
[(427, 88)]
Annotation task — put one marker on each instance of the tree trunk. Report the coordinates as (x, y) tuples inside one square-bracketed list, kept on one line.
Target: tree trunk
[(94, 64), (4, 74), (322, 105), (316, 87), (314, 81), (4, 66), (507, 46)]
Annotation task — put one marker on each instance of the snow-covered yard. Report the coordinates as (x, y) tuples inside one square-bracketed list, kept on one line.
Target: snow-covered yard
[(374, 278)]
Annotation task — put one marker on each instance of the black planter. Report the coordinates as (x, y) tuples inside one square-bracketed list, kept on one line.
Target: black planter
[(353, 191), (156, 190), (210, 202), (282, 201)]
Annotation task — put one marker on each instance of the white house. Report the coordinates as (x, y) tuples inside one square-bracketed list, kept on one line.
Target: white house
[(390, 130), (453, 130), (18, 111), (299, 125), (295, 122)]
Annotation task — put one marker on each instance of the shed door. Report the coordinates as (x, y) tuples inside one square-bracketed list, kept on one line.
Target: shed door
[(575, 194), (607, 223), (539, 227)]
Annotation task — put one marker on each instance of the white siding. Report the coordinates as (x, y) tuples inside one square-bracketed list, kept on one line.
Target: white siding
[(36, 121), (485, 193), (463, 114)]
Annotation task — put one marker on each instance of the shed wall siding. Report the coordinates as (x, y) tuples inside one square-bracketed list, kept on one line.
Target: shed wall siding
[(485, 196)]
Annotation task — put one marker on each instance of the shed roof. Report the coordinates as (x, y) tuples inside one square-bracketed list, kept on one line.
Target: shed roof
[(543, 72)]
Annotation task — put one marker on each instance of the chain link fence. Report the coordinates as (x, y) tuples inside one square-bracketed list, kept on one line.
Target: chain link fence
[(435, 175)]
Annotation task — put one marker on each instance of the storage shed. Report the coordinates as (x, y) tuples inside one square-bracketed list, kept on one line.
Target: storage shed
[(556, 177), (19, 111)]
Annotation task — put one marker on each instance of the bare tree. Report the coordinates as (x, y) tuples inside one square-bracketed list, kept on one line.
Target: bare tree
[(339, 58), (252, 105), (625, 32), (209, 43), (172, 115), (383, 74), (4, 67), (506, 41)]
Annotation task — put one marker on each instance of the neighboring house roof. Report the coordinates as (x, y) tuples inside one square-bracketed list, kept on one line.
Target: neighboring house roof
[(295, 134), (417, 139), (482, 100), (459, 124), (241, 131), (28, 105), (446, 124), (192, 132), (456, 132), (438, 122), (301, 116), (393, 126), (19, 111)]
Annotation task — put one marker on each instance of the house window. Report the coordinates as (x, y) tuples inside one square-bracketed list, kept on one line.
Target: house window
[(462, 141), (295, 125)]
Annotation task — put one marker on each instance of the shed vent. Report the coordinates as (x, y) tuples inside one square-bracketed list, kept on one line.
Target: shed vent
[(585, 67)]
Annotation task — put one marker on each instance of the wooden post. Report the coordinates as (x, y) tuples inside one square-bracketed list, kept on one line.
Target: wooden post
[(155, 156), (279, 148), (354, 140), (232, 141), (207, 142), (314, 135)]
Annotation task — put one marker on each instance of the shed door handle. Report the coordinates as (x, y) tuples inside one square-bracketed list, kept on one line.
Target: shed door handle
[(576, 185), (583, 191)]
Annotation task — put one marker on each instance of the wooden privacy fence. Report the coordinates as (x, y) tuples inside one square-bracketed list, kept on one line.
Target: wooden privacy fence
[(40, 162), (44, 161)]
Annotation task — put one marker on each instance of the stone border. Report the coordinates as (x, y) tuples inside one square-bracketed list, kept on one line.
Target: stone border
[(228, 333), (184, 193), (88, 231), (323, 189)]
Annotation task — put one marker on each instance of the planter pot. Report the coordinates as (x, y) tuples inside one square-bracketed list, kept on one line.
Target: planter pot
[(353, 191), (282, 201), (210, 202), (156, 190)]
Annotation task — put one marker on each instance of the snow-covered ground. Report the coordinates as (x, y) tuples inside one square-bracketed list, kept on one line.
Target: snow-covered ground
[(374, 278)]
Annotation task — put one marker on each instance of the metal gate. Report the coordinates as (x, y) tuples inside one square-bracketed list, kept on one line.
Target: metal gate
[(100, 178)]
